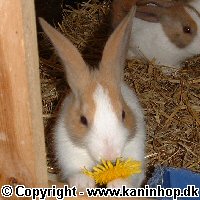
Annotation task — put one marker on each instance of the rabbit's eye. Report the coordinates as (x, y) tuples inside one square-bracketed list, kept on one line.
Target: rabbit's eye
[(186, 29), (84, 120), (123, 114)]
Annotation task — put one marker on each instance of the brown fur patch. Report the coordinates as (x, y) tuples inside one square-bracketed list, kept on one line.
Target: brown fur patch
[(173, 23), (83, 105)]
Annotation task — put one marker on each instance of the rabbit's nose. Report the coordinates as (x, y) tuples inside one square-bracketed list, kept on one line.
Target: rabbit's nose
[(111, 154)]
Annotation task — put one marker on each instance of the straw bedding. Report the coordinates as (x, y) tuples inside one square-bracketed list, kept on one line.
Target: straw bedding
[(171, 103)]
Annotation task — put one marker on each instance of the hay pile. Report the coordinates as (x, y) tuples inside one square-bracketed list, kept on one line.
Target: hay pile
[(171, 104)]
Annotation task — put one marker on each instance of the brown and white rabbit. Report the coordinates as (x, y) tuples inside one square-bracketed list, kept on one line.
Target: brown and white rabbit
[(101, 118), (168, 31)]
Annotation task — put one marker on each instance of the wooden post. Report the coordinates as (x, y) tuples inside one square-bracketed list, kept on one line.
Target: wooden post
[(22, 147)]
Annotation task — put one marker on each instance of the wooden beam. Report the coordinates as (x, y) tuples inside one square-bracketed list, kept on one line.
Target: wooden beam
[(22, 147)]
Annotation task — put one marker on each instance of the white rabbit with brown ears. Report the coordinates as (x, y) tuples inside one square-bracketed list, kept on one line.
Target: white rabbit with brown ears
[(101, 118), (168, 31)]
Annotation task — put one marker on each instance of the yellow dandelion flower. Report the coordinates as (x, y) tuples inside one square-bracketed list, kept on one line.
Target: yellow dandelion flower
[(107, 171)]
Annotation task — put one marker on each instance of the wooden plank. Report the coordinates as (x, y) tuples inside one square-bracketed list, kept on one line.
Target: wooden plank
[(22, 149)]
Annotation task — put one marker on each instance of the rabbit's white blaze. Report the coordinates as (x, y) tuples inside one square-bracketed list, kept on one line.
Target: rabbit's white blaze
[(107, 136)]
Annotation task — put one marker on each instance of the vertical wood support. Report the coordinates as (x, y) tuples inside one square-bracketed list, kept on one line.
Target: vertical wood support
[(22, 147)]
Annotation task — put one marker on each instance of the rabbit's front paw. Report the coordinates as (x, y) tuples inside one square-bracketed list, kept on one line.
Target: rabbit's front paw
[(118, 183), (81, 181)]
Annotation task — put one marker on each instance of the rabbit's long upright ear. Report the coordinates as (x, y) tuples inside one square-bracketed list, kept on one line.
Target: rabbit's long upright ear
[(149, 13), (160, 3), (153, 10), (76, 70), (115, 50)]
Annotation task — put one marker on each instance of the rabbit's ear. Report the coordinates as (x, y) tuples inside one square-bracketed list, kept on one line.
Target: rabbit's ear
[(149, 13), (115, 50), (152, 10), (158, 3), (76, 69), (120, 9)]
